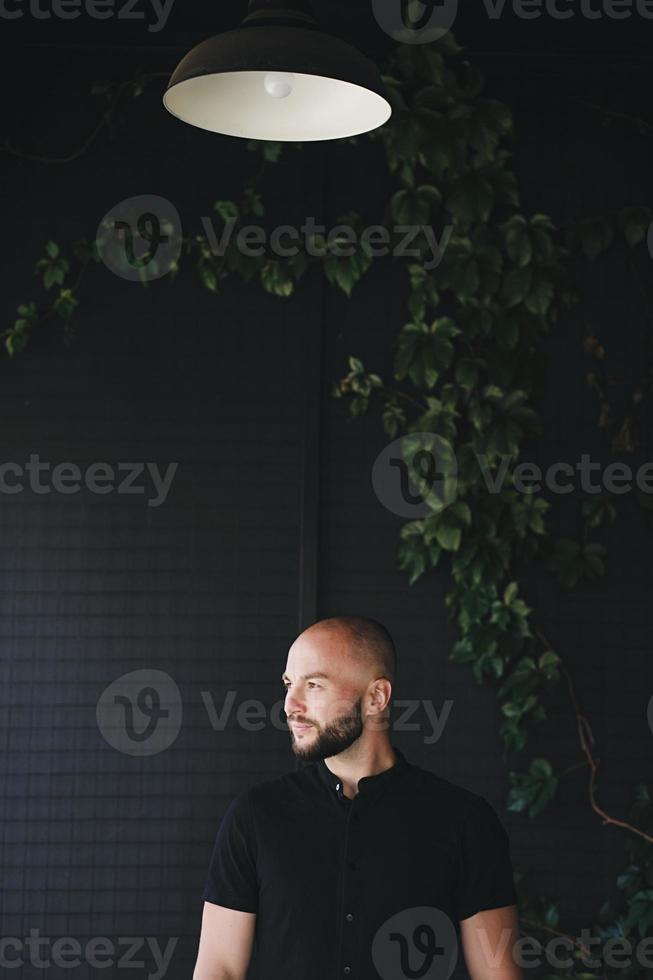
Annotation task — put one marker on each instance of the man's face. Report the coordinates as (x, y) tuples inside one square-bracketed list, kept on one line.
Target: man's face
[(323, 701)]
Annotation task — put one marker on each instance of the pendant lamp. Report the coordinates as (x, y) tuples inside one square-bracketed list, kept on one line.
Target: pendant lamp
[(278, 77)]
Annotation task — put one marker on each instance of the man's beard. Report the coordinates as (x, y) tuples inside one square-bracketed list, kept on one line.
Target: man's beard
[(333, 739)]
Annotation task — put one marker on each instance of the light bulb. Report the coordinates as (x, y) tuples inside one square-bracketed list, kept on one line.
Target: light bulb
[(278, 85)]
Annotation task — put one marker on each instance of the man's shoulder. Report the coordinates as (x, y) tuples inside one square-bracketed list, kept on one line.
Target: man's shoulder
[(425, 784), (276, 788), (444, 791)]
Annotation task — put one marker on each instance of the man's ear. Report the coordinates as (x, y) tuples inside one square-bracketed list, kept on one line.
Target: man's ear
[(381, 694)]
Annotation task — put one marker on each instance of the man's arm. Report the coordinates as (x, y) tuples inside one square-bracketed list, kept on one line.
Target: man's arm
[(226, 942), (488, 940)]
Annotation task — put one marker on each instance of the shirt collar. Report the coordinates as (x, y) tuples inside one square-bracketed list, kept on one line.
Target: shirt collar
[(368, 785)]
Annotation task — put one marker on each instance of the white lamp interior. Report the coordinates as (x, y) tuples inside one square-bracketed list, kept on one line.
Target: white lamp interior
[(238, 104)]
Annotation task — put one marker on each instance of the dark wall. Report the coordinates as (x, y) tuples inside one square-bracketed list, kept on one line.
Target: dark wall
[(271, 518)]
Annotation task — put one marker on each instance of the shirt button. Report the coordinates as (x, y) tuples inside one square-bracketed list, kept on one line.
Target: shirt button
[(347, 969), (349, 917)]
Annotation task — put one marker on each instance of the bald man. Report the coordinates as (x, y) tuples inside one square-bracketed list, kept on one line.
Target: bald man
[(359, 864)]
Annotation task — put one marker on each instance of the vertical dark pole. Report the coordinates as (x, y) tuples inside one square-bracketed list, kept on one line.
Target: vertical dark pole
[(310, 489), (309, 529)]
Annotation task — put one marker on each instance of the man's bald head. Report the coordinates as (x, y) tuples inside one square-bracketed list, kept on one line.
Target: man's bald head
[(338, 680), (366, 640)]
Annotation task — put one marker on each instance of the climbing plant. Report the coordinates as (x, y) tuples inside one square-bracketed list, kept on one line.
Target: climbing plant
[(467, 372)]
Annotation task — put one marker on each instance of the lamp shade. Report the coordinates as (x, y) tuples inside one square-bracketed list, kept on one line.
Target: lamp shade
[(278, 77)]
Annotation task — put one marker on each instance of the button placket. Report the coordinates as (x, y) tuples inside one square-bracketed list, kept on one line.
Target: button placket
[(351, 856)]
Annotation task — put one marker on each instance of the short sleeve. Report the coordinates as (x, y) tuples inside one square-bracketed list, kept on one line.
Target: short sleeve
[(232, 879), (485, 878)]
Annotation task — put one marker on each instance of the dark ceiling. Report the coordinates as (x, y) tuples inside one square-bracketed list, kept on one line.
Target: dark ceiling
[(592, 31)]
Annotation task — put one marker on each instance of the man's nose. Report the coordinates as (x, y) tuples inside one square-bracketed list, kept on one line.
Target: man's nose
[(292, 704)]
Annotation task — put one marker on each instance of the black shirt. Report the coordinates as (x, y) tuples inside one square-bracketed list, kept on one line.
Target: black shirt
[(326, 874)]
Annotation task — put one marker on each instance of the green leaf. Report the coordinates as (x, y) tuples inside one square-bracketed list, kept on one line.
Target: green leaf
[(356, 365), (518, 242), (516, 286), (415, 207), (208, 276), (510, 593), (461, 511), (548, 660), (540, 296), (471, 199), (465, 279), (466, 372), (533, 790), (448, 537), (345, 271), (437, 151), (65, 304), (275, 279), (272, 151), (227, 210)]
